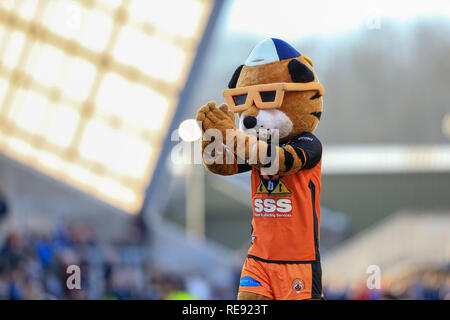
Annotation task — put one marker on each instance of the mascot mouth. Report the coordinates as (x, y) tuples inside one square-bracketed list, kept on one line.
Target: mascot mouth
[(261, 133), (265, 133)]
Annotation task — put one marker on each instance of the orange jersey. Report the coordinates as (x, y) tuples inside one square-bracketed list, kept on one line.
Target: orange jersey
[(284, 260), (286, 210), (286, 216)]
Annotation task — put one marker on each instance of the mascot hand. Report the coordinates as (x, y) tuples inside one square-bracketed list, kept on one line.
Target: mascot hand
[(220, 118)]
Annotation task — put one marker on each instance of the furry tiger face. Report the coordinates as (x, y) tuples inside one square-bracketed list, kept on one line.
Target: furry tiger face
[(299, 112)]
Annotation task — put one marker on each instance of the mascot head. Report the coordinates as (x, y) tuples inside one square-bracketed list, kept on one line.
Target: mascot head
[(276, 89)]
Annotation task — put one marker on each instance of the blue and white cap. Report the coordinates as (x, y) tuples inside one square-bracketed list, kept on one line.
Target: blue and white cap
[(271, 50)]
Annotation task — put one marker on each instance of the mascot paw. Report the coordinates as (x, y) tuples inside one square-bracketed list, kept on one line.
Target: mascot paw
[(216, 118)]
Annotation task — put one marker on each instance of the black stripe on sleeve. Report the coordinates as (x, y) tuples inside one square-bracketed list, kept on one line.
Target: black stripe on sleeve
[(288, 160), (243, 167), (300, 154)]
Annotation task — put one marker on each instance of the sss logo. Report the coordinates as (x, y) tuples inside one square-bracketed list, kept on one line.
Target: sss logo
[(272, 205)]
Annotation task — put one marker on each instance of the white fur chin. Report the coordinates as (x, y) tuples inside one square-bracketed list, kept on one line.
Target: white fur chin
[(270, 119)]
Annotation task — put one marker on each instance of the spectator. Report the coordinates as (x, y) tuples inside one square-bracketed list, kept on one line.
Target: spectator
[(4, 208), (33, 266)]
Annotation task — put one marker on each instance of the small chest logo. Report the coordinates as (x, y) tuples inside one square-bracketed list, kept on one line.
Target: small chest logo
[(298, 285), (273, 187)]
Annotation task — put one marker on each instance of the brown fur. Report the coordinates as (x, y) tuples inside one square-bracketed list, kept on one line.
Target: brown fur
[(297, 162), (222, 167), (297, 105)]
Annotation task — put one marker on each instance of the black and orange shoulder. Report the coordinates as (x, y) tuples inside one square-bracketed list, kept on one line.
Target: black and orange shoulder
[(308, 148)]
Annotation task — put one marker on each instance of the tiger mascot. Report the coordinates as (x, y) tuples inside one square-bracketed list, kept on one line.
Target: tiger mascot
[(278, 99)]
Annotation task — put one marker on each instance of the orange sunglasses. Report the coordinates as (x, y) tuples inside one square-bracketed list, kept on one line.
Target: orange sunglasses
[(265, 96)]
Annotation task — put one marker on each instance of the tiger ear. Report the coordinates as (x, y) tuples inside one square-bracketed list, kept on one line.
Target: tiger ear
[(234, 79), (299, 72)]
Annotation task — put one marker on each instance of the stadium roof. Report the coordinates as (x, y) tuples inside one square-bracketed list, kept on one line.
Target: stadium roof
[(88, 88)]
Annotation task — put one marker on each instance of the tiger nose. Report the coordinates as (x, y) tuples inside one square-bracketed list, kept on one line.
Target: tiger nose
[(249, 122)]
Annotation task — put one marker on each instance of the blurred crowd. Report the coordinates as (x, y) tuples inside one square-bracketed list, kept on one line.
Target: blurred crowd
[(429, 284), (35, 266)]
